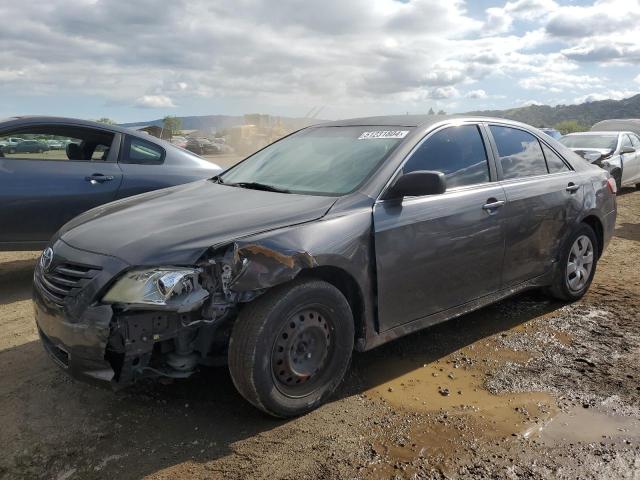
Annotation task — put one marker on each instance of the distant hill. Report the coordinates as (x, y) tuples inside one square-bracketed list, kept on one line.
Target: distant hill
[(586, 113), (208, 123)]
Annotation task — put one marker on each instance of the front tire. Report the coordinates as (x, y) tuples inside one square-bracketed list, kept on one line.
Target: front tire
[(290, 348), (577, 265)]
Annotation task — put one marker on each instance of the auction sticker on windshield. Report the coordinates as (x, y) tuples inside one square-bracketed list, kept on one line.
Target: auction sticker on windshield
[(383, 134)]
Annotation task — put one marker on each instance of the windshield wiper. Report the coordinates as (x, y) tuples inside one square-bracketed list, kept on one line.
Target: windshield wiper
[(258, 186)]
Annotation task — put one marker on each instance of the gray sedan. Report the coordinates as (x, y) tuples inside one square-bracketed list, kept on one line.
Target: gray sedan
[(42, 188), (338, 237)]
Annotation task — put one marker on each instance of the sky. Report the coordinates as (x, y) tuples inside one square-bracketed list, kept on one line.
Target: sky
[(144, 59)]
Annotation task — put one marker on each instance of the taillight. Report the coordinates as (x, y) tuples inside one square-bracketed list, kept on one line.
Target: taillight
[(611, 183)]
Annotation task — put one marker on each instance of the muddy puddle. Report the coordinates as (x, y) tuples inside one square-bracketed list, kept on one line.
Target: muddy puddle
[(455, 416), (586, 425)]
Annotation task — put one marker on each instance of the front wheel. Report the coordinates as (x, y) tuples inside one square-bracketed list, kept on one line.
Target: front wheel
[(290, 348), (577, 265)]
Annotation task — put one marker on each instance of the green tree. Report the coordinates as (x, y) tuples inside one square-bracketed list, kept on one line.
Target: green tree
[(431, 112), (442, 112), (570, 126), (106, 120), (171, 124)]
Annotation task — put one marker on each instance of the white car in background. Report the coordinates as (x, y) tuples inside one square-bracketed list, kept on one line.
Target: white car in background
[(10, 142), (616, 152)]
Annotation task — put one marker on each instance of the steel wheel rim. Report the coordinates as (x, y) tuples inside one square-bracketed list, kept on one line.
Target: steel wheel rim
[(580, 263), (301, 350)]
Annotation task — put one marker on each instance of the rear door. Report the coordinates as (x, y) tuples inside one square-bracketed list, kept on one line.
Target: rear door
[(543, 195), (440, 251), (39, 192)]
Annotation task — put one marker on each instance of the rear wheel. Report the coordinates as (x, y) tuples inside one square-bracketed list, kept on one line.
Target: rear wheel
[(577, 265), (290, 348)]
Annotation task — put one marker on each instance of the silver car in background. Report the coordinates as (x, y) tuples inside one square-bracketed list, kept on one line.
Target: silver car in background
[(616, 152)]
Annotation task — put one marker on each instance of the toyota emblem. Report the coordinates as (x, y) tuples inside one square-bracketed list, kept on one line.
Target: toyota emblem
[(46, 259)]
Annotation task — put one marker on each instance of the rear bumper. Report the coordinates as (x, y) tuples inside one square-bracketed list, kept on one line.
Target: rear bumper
[(609, 225)]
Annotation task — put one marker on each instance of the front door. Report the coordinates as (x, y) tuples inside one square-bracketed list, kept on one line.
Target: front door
[(440, 251), (41, 191)]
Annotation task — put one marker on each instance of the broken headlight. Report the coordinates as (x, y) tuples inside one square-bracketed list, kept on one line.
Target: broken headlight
[(160, 287)]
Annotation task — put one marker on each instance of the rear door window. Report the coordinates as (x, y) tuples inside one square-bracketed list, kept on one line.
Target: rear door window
[(519, 151), (458, 152), (635, 141), (555, 164), (141, 152)]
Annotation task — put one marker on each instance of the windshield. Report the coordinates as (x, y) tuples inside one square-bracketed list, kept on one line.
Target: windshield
[(606, 142), (321, 160)]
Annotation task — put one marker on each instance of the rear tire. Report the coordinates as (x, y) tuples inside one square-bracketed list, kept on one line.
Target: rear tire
[(290, 348), (577, 265)]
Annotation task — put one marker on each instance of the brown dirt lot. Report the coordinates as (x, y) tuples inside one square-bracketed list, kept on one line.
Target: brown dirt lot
[(527, 388)]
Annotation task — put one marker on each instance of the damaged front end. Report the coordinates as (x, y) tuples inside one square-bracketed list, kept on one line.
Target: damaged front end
[(168, 320)]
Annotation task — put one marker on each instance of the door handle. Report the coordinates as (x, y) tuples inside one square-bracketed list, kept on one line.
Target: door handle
[(98, 178), (572, 187), (492, 204)]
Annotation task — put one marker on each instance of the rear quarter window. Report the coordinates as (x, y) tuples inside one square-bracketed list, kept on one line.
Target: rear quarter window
[(140, 152), (519, 151)]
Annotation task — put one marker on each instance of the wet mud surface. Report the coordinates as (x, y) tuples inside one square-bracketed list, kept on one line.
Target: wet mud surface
[(527, 388)]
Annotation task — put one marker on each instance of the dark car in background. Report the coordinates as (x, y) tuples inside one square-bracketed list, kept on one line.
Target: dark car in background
[(42, 188), (616, 152), (26, 146), (202, 146), (340, 236)]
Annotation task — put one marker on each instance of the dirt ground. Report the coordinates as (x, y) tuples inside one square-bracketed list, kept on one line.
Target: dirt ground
[(527, 388)]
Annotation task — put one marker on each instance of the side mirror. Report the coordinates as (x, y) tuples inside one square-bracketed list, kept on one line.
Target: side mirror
[(627, 149), (417, 184)]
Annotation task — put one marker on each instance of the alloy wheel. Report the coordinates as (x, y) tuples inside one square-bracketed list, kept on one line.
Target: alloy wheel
[(580, 263)]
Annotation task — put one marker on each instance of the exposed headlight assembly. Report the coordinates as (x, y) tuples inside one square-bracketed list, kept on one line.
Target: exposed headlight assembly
[(171, 288)]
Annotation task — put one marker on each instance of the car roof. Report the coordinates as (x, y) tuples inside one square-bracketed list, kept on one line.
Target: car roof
[(414, 121), (608, 133), (27, 120)]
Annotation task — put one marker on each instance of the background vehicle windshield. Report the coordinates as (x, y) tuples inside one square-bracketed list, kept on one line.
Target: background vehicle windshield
[(608, 142), (322, 160)]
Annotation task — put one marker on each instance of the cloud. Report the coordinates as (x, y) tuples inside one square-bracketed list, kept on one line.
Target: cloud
[(442, 93), (529, 103), (607, 95), (605, 53), (355, 57), (154, 101), (596, 19), (476, 94), (501, 19)]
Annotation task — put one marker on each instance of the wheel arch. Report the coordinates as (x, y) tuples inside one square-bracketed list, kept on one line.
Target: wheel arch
[(596, 224), (348, 286)]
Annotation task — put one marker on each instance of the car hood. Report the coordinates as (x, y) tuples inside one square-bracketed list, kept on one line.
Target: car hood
[(592, 154), (176, 225)]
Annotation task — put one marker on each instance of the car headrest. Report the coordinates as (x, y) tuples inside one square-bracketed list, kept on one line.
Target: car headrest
[(74, 152)]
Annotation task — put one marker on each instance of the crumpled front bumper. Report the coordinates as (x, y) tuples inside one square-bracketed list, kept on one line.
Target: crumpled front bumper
[(77, 348), (75, 330)]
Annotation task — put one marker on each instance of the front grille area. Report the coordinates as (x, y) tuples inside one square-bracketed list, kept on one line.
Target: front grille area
[(64, 280)]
